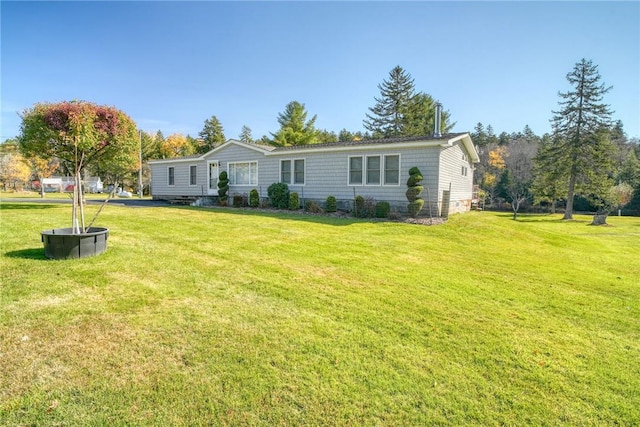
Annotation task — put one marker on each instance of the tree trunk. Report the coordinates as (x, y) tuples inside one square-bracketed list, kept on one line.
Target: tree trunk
[(600, 218), (568, 212)]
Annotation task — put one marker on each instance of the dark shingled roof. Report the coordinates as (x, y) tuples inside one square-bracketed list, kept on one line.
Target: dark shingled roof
[(371, 142)]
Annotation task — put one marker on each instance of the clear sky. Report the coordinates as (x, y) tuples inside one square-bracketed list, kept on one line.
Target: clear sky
[(172, 65)]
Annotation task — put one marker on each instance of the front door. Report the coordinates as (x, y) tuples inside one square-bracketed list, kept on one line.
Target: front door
[(213, 177)]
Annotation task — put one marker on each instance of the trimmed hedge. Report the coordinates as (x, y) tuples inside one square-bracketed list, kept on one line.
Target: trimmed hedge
[(294, 201), (279, 195), (331, 205)]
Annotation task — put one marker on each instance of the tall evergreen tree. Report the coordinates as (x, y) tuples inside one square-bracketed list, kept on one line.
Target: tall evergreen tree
[(389, 115), (295, 129), (212, 134), (580, 143), (421, 117), (245, 134)]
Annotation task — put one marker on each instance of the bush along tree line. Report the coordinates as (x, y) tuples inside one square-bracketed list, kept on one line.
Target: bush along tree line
[(585, 164)]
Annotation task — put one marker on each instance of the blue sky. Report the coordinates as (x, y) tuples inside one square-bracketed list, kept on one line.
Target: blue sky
[(172, 65)]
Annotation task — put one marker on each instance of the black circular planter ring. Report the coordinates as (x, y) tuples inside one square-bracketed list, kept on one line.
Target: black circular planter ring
[(61, 243)]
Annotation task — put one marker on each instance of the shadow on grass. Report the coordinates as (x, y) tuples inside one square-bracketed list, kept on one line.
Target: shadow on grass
[(30, 206), (300, 215), (32, 253), (542, 217)]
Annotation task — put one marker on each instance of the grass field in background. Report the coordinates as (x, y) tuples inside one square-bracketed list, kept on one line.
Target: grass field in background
[(200, 316)]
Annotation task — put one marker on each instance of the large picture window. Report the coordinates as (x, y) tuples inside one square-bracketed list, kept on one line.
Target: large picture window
[(392, 170), (243, 173), (193, 175), (292, 171), (172, 175)]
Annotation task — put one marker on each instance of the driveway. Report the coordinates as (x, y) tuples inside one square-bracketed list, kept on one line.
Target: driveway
[(132, 202)]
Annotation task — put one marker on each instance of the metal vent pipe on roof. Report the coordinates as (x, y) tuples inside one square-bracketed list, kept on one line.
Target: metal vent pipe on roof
[(436, 128)]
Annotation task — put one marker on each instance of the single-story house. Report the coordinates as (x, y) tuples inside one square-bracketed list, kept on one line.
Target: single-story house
[(377, 169)]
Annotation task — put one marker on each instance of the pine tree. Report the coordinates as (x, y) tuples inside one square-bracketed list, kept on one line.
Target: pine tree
[(294, 127), (245, 134), (388, 117), (212, 134), (421, 117), (581, 143)]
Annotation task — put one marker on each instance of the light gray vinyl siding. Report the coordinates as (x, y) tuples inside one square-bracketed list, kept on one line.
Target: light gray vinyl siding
[(160, 179), (452, 160), (268, 168), (327, 173)]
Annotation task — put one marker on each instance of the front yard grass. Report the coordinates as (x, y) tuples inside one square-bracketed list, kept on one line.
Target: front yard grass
[(222, 317)]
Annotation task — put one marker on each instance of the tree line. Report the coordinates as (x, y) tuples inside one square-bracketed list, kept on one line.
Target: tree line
[(586, 162), (587, 158)]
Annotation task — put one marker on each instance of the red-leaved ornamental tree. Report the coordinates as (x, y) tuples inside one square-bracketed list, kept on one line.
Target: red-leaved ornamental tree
[(78, 133)]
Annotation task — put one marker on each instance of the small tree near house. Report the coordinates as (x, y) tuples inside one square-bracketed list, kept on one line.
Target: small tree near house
[(223, 188), (414, 191)]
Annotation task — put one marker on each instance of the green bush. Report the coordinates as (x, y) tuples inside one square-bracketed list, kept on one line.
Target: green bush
[(415, 171), (382, 209), (278, 193), (331, 205), (415, 207), (414, 190), (223, 188), (414, 179), (413, 193), (294, 201), (254, 198), (365, 207)]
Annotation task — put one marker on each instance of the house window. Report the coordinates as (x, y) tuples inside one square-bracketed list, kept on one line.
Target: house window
[(464, 171), (192, 175), (355, 170), (392, 170), (172, 176), (285, 171), (298, 171), (373, 170), (243, 173)]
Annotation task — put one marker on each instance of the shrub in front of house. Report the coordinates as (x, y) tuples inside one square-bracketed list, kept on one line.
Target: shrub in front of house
[(382, 209), (312, 207), (254, 198), (223, 188), (414, 189), (278, 193), (365, 207), (238, 200), (294, 201), (331, 204)]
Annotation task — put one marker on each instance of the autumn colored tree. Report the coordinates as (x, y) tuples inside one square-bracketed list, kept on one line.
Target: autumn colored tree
[(78, 133), (175, 145), (13, 170)]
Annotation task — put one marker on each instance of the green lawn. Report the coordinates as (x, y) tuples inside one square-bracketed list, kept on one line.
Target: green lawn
[(230, 317)]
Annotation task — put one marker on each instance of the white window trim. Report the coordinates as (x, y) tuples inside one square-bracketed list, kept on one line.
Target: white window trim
[(363, 170), (380, 170), (292, 171), (229, 164), (169, 184), (384, 160), (190, 184)]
